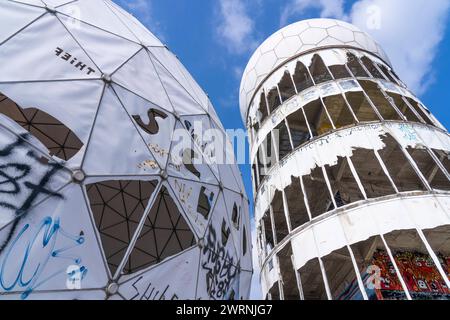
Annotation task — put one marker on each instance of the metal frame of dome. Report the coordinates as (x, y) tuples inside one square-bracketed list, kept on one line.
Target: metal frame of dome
[(90, 100), (295, 40)]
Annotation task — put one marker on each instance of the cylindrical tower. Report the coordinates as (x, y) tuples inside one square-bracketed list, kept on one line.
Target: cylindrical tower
[(351, 171)]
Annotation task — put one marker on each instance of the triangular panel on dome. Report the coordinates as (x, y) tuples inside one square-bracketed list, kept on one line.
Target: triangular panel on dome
[(165, 232), (139, 76), (218, 279), (245, 285), (218, 270), (108, 51), (56, 139), (72, 103), (99, 179), (198, 91), (97, 14), (50, 246), (235, 210), (227, 176), (115, 146), (182, 101), (58, 57), (245, 237), (197, 200), (173, 279), (221, 233), (238, 175), (118, 207), (15, 17), (141, 33), (155, 125), (186, 160), (171, 63), (226, 162), (206, 138)]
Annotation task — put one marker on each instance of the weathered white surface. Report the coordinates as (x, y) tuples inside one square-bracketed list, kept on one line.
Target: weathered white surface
[(327, 149), (361, 223), (301, 100)]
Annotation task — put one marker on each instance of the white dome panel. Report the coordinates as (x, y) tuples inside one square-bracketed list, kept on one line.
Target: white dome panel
[(341, 34), (288, 47), (313, 35)]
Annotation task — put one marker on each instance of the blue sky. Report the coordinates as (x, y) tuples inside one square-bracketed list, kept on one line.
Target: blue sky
[(215, 39)]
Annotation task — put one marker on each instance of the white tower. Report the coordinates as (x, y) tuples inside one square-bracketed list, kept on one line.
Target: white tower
[(350, 170)]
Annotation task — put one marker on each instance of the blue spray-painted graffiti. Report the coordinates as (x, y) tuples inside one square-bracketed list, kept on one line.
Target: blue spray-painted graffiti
[(32, 250), (408, 132), (25, 252)]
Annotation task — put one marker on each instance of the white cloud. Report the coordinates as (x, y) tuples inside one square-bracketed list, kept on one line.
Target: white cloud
[(327, 8), (236, 27), (409, 31)]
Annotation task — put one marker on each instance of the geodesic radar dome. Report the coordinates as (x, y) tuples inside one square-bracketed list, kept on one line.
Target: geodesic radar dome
[(109, 188), (297, 39)]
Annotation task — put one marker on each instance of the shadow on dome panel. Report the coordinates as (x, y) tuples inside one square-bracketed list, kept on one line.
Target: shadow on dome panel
[(165, 233), (121, 210), (60, 141)]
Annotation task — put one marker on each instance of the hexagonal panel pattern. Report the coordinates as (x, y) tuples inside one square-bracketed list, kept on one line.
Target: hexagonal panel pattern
[(313, 33), (341, 34), (118, 207)]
